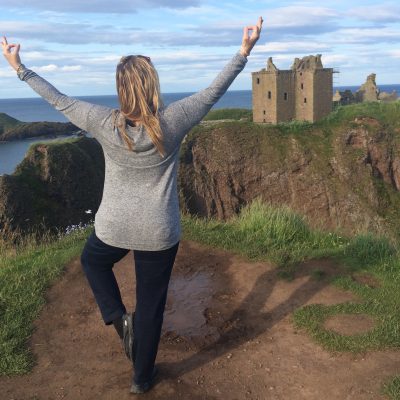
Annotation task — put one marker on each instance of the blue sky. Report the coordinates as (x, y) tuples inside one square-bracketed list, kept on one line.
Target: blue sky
[(76, 44)]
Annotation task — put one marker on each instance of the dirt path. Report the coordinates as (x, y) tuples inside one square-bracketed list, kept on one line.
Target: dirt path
[(227, 335)]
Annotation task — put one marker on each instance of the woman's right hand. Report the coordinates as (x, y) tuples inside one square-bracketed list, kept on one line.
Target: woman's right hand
[(249, 42), (11, 53)]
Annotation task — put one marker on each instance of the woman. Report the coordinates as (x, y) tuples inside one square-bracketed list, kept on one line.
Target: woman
[(139, 209)]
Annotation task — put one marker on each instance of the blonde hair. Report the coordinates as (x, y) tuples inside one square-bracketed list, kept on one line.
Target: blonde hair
[(139, 98)]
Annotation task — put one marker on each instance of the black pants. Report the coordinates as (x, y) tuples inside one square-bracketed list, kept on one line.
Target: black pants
[(153, 271)]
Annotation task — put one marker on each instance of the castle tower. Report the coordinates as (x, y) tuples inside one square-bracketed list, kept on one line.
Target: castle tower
[(303, 93)]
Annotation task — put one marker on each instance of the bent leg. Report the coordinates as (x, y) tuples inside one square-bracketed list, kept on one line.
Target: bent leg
[(98, 259), (153, 271)]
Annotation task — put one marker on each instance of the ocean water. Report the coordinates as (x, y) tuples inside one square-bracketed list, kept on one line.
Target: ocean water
[(37, 109)]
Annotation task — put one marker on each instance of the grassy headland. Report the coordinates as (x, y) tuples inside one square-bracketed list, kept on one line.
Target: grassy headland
[(7, 122), (12, 129)]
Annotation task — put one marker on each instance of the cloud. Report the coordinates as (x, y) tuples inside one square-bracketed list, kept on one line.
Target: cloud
[(54, 67), (368, 35), (100, 6), (292, 47), (383, 13), (282, 24)]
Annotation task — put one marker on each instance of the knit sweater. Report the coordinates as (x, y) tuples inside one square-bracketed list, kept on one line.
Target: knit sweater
[(139, 208)]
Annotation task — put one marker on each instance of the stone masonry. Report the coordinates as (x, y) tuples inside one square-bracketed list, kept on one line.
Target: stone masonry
[(302, 93)]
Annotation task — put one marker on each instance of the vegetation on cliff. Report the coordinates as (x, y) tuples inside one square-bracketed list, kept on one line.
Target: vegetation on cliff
[(12, 129), (54, 186)]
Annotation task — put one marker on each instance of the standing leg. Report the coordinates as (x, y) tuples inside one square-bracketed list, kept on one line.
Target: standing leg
[(153, 271), (98, 259)]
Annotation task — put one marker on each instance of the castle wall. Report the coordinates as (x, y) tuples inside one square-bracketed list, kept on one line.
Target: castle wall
[(286, 98), (323, 91), (264, 97), (305, 95)]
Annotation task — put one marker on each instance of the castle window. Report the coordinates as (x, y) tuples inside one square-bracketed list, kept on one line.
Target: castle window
[(264, 120), (269, 95), (302, 86), (305, 99), (258, 81), (285, 96), (264, 112)]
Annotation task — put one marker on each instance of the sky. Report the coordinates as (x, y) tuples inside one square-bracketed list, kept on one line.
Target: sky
[(76, 44)]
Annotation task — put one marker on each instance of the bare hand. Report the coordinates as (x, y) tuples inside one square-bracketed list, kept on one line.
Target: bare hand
[(11, 53), (249, 42)]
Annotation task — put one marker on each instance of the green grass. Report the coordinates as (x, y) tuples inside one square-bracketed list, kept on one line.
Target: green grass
[(229, 113), (25, 274), (392, 388)]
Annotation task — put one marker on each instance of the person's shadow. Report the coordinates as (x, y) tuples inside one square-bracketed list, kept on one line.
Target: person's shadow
[(249, 320)]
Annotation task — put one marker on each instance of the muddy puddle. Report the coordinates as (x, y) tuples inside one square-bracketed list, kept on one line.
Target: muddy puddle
[(189, 297)]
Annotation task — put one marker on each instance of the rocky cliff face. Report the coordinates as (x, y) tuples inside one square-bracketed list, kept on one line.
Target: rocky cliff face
[(53, 187), (346, 177)]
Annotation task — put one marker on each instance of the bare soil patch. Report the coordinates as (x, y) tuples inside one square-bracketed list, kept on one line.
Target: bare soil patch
[(350, 324), (367, 280), (227, 334)]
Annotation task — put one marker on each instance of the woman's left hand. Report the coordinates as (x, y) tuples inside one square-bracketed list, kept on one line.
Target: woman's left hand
[(11, 53)]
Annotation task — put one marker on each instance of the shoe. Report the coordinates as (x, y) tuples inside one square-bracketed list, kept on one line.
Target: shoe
[(128, 336), (137, 388)]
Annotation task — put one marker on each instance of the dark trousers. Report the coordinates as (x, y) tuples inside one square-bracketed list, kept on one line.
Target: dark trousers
[(153, 271)]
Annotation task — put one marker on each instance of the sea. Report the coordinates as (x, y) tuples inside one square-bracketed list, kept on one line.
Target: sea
[(37, 109)]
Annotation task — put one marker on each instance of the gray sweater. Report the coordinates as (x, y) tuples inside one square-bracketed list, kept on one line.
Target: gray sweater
[(139, 209)]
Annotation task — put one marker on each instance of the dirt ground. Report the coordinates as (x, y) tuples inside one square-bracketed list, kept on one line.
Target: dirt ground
[(227, 335)]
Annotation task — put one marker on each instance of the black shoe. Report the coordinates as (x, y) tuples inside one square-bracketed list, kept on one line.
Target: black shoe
[(144, 387), (127, 337)]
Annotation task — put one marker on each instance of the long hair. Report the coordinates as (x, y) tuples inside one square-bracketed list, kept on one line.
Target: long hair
[(139, 98)]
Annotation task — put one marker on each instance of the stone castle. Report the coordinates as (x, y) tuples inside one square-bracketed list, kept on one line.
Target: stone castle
[(302, 93)]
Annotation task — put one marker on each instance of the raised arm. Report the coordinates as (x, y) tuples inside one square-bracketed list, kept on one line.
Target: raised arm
[(191, 110), (83, 114)]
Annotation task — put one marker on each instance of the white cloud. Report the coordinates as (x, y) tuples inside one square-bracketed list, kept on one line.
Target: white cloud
[(54, 67)]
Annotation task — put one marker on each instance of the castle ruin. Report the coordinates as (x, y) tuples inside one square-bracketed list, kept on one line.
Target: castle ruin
[(367, 92), (302, 93)]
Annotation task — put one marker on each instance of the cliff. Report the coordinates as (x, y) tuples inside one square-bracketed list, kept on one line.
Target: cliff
[(52, 187), (343, 172)]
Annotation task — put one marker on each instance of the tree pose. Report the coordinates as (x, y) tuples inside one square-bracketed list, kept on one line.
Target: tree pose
[(139, 210)]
